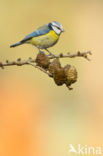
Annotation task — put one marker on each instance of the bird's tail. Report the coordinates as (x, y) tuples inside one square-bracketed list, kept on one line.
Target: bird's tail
[(16, 44)]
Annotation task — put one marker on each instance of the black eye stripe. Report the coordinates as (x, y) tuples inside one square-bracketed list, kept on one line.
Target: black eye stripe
[(58, 28)]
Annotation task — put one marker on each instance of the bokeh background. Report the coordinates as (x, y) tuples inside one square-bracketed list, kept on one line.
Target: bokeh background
[(36, 116)]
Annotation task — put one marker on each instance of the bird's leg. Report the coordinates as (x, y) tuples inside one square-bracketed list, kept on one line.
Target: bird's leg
[(50, 53), (40, 51)]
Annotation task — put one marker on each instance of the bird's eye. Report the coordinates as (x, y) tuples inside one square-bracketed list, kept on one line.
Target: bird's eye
[(59, 28)]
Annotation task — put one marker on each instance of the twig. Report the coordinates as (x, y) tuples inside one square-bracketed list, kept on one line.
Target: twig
[(62, 75), (20, 62), (40, 68), (78, 54), (31, 61)]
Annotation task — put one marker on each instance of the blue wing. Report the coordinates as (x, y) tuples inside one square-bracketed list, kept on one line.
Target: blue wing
[(40, 31)]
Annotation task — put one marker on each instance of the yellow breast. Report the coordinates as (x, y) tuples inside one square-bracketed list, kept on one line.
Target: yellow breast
[(45, 41)]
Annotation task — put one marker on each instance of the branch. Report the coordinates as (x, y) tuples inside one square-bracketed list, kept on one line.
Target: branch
[(78, 54), (40, 68), (52, 66), (20, 62)]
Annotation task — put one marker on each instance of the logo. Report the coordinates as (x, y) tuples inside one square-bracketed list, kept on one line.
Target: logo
[(85, 150)]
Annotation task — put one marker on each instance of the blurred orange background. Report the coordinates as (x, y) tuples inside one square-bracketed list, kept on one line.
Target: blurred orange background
[(37, 117)]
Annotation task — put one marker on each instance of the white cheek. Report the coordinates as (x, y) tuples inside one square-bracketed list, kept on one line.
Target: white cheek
[(57, 30)]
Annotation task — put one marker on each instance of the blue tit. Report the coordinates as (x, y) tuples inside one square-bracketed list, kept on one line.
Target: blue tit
[(44, 37)]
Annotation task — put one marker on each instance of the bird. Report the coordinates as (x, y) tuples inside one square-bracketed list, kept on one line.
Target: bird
[(43, 37)]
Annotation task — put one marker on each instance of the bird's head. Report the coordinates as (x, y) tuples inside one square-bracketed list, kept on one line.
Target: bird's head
[(57, 27)]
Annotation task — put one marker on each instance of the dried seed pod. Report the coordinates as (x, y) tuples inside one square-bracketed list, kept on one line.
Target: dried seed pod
[(57, 71), (59, 76), (42, 60), (71, 74), (54, 65)]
